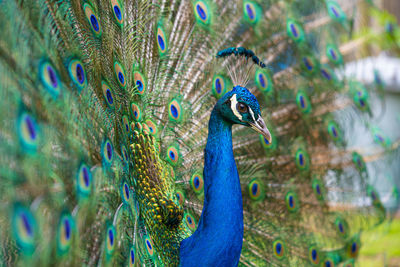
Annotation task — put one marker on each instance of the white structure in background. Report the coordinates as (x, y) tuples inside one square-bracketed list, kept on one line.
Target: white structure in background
[(387, 118), (388, 68)]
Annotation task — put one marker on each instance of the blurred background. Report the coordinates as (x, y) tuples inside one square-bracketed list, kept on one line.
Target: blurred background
[(379, 36)]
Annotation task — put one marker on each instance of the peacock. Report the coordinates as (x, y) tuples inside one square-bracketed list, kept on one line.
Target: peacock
[(188, 133)]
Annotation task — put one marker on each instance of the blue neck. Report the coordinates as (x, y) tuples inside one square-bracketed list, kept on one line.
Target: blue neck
[(218, 238)]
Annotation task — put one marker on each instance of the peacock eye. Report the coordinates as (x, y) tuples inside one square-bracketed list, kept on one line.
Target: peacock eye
[(242, 108)]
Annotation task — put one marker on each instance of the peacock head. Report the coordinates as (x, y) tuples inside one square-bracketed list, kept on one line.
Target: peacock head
[(239, 106)]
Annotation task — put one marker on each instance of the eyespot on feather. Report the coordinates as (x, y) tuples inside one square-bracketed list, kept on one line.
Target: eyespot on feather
[(77, 73), (190, 221), (359, 162), (110, 241), (335, 11), (152, 127), (333, 54), (83, 180), (125, 124), (149, 246), (295, 31), (65, 233), (139, 81), (118, 12), (175, 111), (263, 81), (309, 65), (28, 132), (197, 183), (341, 227), (220, 85), (173, 154), (303, 102), (136, 112), (107, 152), (124, 154), (279, 249), (252, 12), (313, 255), (180, 195), (302, 160), (318, 188), (93, 19), (120, 74), (353, 247), (202, 12), (49, 78), (292, 202), (328, 263), (132, 257), (108, 95), (162, 41), (327, 73), (256, 190), (24, 228), (125, 192)]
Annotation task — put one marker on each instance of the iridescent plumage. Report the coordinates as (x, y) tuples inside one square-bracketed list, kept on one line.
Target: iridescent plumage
[(105, 124)]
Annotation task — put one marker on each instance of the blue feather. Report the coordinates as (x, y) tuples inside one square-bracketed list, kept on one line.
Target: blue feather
[(218, 238)]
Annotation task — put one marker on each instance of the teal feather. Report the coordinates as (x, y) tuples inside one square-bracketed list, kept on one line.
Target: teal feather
[(105, 107)]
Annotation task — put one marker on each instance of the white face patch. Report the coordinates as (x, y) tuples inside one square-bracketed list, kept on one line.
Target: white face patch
[(252, 114), (233, 107)]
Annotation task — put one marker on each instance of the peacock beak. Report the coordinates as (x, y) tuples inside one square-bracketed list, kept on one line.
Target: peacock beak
[(260, 127)]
